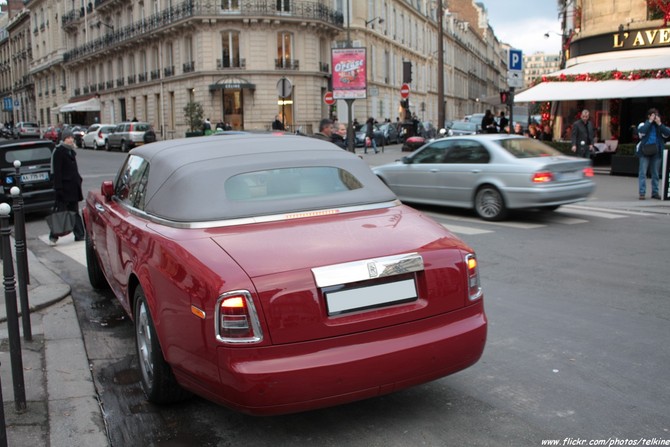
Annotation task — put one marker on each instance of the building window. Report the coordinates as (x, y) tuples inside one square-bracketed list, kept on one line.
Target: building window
[(230, 49), (284, 50), (230, 5), (284, 5)]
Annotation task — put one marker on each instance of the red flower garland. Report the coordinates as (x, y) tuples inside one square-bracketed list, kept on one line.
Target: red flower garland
[(663, 6), (662, 73)]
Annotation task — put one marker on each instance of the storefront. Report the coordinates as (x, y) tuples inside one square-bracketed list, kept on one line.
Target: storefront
[(617, 76), (231, 95)]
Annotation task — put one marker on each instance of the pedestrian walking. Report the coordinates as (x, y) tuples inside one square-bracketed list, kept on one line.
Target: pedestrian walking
[(325, 130), (649, 150), (583, 135), (67, 183), (370, 136)]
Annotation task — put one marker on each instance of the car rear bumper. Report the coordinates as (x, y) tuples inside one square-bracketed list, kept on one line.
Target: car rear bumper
[(34, 201), (549, 196), (305, 376)]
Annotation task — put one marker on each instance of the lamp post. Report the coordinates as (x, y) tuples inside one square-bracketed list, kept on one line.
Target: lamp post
[(440, 66)]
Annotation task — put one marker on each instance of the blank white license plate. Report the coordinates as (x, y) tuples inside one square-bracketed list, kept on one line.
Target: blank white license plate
[(573, 175), (370, 296), (37, 177)]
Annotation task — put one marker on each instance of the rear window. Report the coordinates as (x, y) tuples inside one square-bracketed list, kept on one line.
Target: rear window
[(139, 127), (29, 125), (527, 148), (289, 182), (40, 154)]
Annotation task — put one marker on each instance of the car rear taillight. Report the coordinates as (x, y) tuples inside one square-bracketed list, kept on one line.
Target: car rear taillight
[(236, 318), (474, 284), (100, 134), (542, 177), (588, 171)]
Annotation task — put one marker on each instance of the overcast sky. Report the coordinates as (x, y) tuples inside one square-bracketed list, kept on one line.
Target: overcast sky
[(523, 23)]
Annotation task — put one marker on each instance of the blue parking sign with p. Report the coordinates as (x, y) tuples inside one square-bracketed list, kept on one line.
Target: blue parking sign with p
[(515, 60)]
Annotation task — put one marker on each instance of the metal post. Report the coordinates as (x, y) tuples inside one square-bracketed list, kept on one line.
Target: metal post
[(3, 422), (350, 102), (511, 110), (21, 260), (440, 67), (12, 311), (17, 182)]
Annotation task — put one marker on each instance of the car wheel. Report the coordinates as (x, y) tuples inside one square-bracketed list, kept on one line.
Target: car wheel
[(107, 146), (95, 275), (489, 203), (157, 378), (124, 147)]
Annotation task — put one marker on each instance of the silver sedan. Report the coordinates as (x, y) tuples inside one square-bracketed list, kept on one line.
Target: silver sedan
[(490, 174)]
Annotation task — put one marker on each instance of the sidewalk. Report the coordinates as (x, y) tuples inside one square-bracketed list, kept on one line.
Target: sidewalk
[(62, 405)]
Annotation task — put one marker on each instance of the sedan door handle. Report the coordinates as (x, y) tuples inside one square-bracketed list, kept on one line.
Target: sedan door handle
[(476, 171), (99, 208), (434, 170)]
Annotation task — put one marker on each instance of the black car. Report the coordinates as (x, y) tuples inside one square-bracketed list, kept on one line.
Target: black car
[(36, 181)]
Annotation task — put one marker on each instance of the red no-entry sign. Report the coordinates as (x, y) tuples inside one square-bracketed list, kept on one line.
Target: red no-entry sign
[(404, 91), (328, 98)]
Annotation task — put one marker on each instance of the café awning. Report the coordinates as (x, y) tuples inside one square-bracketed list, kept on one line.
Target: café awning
[(232, 83), (90, 105), (632, 61)]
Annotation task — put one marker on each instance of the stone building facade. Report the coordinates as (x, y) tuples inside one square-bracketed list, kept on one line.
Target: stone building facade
[(146, 59)]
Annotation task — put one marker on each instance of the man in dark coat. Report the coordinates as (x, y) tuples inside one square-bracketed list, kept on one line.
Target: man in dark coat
[(67, 182), (583, 136)]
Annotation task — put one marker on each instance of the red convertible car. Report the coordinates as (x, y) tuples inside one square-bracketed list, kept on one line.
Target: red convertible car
[(276, 273)]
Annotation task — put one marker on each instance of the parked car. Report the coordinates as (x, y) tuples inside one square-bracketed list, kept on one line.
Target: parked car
[(52, 133), (78, 131), (377, 132), (36, 183), (128, 135), (412, 143), (276, 274), (463, 128), (489, 173), (390, 133), (26, 129), (96, 136)]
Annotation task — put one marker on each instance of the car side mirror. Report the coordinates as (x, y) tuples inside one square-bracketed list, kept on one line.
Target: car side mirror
[(406, 160), (107, 189)]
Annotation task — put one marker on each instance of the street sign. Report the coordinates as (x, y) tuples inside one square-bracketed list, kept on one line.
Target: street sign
[(284, 88), (515, 68), (328, 98), (404, 91)]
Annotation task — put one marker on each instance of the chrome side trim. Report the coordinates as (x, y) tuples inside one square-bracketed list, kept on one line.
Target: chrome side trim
[(349, 272), (258, 219)]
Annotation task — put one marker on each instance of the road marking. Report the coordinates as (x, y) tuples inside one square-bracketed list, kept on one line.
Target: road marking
[(70, 248), (605, 210), (593, 213), (465, 230)]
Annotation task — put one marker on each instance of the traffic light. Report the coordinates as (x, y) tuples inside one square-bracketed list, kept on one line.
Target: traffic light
[(504, 97), (407, 72)]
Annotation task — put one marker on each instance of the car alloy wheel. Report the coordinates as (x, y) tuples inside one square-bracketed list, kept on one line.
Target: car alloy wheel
[(124, 147), (107, 146), (489, 203), (157, 378), (95, 275)]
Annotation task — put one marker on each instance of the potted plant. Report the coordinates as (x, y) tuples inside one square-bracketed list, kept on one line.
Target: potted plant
[(624, 161), (194, 113)]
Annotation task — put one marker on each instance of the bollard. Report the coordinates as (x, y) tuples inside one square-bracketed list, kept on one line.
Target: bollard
[(3, 421), (12, 312), (17, 180), (21, 260)]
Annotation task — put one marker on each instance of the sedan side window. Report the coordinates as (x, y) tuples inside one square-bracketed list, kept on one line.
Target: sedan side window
[(432, 154), (467, 152), (132, 181)]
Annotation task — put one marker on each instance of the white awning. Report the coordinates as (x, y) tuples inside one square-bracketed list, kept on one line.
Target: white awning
[(626, 61), (90, 105), (565, 91)]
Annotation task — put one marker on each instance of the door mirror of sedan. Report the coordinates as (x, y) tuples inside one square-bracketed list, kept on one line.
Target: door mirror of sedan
[(406, 160), (107, 189)]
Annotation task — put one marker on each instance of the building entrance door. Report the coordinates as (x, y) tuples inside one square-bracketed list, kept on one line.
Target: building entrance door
[(233, 108)]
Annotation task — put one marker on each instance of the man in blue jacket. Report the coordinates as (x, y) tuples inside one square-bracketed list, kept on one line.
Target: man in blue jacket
[(651, 132)]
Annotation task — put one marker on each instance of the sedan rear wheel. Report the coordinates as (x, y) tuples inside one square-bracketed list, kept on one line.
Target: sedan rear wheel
[(124, 147), (107, 146), (158, 381), (489, 203)]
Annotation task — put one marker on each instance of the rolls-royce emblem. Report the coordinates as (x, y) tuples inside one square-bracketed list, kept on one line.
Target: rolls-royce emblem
[(372, 269)]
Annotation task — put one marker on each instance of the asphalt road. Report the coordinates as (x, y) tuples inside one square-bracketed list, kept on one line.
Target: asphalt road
[(579, 319)]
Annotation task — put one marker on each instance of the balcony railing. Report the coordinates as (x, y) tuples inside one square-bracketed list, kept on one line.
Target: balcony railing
[(109, 84), (141, 77), (168, 71), (155, 74), (324, 67), (189, 67), (131, 79), (120, 82), (222, 64), (305, 10), (287, 64)]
